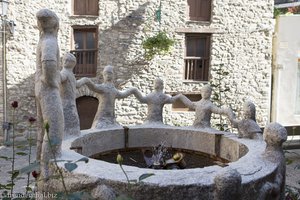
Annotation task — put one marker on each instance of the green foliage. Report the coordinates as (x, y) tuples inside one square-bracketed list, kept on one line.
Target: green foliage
[(291, 194), (144, 176), (285, 11), (133, 181), (5, 158), (21, 153), (279, 11), (84, 159), (288, 161), (70, 166), (159, 44), (218, 94), (35, 166)]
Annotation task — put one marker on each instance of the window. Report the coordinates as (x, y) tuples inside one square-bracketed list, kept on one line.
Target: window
[(197, 57), (199, 10), (179, 106), (85, 45), (86, 7)]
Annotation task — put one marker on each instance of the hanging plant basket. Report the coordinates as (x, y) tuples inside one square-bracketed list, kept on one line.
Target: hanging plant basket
[(159, 44)]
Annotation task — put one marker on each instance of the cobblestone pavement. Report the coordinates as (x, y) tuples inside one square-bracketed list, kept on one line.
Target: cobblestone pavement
[(20, 162)]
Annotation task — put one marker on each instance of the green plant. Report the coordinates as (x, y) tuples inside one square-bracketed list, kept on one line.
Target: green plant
[(8, 188), (291, 193), (218, 96), (30, 140), (134, 181), (279, 11), (13, 173), (158, 44), (69, 166), (284, 11)]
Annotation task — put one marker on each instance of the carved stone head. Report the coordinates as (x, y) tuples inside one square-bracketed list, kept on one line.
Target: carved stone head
[(249, 110), (47, 21), (206, 92), (275, 134), (69, 61), (108, 73), (158, 84)]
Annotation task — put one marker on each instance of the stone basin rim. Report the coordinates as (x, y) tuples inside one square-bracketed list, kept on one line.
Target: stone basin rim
[(251, 166)]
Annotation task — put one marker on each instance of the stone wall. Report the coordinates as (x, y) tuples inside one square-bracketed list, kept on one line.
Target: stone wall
[(241, 40)]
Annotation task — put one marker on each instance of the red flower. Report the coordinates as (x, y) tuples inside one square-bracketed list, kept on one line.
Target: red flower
[(35, 174), (14, 104), (31, 120)]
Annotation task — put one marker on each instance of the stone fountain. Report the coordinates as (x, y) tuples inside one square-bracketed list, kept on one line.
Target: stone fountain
[(254, 169)]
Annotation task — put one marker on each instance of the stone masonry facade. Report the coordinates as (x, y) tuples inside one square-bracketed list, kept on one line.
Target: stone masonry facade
[(241, 42)]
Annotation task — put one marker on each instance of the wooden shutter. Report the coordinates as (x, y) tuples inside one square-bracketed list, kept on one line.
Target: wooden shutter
[(79, 7), (199, 10), (192, 9), (204, 10), (86, 7), (92, 7)]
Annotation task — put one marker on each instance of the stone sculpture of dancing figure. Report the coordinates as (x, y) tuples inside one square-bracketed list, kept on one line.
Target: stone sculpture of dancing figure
[(247, 127), (274, 135), (47, 80), (107, 93), (68, 95), (156, 101), (203, 108)]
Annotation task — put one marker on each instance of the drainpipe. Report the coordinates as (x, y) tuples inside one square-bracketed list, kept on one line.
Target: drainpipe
[(4, 83)]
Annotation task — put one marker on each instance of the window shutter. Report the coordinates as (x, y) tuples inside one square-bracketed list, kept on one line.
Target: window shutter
[(204, 10), (192, 9), (92, 7), (199, 10), (79, 7)]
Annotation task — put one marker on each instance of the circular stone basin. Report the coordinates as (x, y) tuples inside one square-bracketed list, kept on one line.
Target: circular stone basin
[(244, 155)]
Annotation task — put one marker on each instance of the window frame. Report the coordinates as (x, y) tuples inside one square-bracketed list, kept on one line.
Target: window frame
[(191, 73), (85, 69)]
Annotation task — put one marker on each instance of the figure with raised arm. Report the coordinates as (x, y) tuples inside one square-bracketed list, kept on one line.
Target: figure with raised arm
[(47, 80), (247, 127), (203, 108), (68, 95), (107, 93), (156, 101)]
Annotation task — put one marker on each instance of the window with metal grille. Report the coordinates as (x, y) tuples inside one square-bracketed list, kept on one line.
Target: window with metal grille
[(85, 51), (86, 7), (197, 57), (199, 10)]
